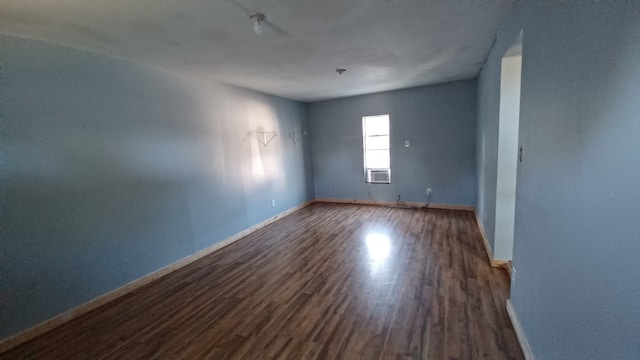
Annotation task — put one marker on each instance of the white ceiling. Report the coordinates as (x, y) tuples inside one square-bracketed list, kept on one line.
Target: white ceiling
[(383, 44)]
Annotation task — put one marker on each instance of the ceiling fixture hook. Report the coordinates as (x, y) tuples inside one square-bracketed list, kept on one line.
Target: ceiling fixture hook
[(258, 18)]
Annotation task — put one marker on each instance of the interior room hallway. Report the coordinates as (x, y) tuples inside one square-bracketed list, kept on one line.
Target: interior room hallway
[(330, 281)]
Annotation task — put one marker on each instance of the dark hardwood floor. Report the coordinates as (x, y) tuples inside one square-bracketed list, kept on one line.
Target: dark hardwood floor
[(330, 281)]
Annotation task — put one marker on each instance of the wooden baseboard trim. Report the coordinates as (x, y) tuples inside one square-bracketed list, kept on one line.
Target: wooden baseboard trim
[(52, 323), (505, 264), (522, 339), (394, 204), (499, 263)]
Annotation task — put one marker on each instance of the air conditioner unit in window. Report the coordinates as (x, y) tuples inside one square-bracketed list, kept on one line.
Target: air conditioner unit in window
[(378, 176)]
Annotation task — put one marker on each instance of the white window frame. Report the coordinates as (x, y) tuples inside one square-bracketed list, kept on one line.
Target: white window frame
[(376, 174)]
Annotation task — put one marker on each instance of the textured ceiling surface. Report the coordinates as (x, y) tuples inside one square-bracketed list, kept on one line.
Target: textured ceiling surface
[(383, 44)]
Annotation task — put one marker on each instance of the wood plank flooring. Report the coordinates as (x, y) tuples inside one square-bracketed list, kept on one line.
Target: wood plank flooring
[(330, 281)]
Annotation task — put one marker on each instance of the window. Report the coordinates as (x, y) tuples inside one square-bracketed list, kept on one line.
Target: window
[(377, 158)]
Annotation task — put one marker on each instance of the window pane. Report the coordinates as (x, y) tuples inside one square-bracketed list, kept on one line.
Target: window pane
[(377, 142), (376, 125), (377, 159)]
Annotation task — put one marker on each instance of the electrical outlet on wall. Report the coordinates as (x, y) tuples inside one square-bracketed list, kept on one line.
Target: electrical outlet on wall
[(428, 191), (273, 202)]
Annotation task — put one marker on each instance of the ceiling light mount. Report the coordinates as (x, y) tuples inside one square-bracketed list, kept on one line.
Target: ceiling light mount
[(340, 71), (258, 18)]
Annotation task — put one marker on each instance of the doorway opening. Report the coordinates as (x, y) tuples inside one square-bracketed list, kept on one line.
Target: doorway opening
[(508, 150)]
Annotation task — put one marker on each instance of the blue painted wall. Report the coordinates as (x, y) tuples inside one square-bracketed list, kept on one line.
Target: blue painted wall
[(111, 170), (439, 121), (577, 244), (487, 144)]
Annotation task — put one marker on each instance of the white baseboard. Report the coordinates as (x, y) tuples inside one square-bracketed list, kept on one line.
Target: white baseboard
[(487, 247), (497, 263), (71, 314), (407, 204), (522, 339)]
